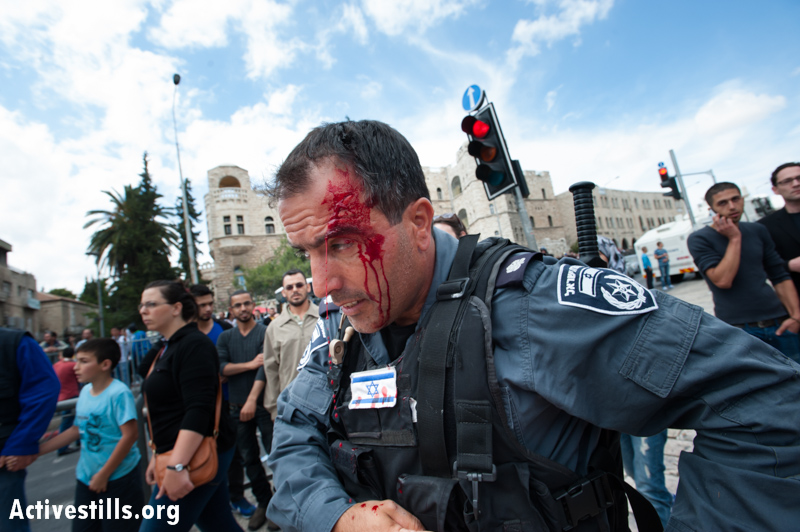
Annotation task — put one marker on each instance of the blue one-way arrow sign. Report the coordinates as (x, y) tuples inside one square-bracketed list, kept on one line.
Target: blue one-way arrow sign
[(472, 99)]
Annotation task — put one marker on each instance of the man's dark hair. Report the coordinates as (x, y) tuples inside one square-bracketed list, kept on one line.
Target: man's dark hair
[(55, 334), (238, 293), (68, 352), (175, 292), (200, 290), (292, 272), (102, 349), (382, 159), (774, 177), (717, 188)]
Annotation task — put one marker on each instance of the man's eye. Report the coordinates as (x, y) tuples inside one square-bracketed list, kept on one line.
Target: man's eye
[(341, 245)]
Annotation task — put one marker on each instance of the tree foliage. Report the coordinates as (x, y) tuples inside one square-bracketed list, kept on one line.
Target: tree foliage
[(134, 241), (178, 226), (263, 280), (63, 292)]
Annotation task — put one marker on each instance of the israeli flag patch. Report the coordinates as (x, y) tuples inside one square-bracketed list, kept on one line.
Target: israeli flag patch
[(603, 291), (318, 340), (376, 388)]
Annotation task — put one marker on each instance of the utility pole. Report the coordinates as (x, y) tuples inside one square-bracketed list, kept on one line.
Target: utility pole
[(186, 223), (679, 177)]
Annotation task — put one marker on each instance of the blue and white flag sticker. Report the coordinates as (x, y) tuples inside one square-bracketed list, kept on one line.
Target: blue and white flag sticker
[(376, 388), (603, 291)]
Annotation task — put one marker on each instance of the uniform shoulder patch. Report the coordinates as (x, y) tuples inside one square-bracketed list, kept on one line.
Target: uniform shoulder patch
[(512, 271), (603, 291), (319, 339)]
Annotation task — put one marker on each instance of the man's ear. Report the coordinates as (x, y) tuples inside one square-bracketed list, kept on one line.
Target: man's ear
[(105, 365), (420, 216)]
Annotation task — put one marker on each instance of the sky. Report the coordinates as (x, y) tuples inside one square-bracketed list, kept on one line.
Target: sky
[(596, 90)]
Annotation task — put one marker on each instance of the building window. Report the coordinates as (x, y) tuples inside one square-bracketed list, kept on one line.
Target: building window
[(599, 222), (439, 193), (240, 229), (240, 218), (227, 221), (7, 288), (455, 187), (229, 182), (668, 203), (610, 223), (641, 222), (636, 202), (228, 229), (544, 194), (550, 221), (462, 215), (269, 225), (239, 276), (533, 224)]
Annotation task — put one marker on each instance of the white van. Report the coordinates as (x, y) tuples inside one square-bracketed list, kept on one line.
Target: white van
[(674, 236)]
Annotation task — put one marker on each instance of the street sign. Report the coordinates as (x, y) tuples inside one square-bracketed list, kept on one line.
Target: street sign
[(661, 165), (473, 98)]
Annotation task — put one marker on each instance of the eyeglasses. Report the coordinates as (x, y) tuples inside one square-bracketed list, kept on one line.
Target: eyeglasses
[(150, 305), (296, 286), (784, 182), (237, 306)]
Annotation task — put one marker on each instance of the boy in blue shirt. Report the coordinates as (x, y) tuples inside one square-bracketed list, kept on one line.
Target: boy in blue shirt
[(106, 425)]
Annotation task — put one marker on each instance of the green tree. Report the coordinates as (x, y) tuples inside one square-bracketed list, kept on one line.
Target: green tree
[(194, 219), (134, 242), (63, 292), (263, 280)]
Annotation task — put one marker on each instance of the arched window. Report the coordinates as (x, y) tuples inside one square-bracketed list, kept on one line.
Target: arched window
[(544, 194), (439, 193), (462, 215), (229, 182), (549, 219), (624, 243), (269, 225), (455, 187), (641, 222), (238, 274), (533, 224)]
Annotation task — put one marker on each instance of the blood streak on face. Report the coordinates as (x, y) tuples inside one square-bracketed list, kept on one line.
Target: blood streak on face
[(350, 217)]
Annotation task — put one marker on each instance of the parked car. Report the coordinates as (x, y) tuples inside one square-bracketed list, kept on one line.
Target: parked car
[(632, 265)]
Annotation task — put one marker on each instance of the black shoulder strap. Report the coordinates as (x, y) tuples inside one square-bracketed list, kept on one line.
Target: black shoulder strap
[(433, 361)]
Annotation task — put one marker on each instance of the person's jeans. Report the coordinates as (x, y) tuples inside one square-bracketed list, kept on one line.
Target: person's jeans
[(643, 459), (787, 343), (665, 280), (648, 273), (236, 476), (127, 488), (12, 487), (247, 443), (207, 506)]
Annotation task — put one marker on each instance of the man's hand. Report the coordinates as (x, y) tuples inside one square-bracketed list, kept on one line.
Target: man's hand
[(794, 265), (789, 324), (257, 362), (18, 463), (248, 411), (725, 227), (150, 473), (377, 516)]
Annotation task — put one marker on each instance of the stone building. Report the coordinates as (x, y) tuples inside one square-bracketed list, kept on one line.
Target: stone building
[(243, 231), (456, 189), (64, 315), (622, 215), (18, 304)]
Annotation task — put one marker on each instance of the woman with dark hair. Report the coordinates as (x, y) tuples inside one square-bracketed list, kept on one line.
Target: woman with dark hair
[(181, 393)]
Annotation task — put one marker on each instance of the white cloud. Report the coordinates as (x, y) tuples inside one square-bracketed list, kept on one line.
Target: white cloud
[(353, 19), (394, 17), (735, 108), (571, 15), (369, 88), (550, 99)]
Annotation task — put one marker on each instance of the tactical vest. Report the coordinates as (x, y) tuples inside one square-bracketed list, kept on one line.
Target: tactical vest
[(459, 467), (9, 383)]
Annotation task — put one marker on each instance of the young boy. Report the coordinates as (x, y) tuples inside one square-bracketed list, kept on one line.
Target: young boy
[(106, 425)]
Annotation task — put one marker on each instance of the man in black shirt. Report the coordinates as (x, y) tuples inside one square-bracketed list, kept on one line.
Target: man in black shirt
[(784, 225), (241, 360), (736, 259)]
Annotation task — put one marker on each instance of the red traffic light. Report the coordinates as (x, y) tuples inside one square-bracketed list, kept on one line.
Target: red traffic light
[(472, 126), (662, 171)]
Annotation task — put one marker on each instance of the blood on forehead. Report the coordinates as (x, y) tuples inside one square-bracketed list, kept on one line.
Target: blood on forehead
[(350, 214)]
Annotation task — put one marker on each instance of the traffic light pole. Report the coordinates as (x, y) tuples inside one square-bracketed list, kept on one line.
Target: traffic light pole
[(526, 222), (679, 177)]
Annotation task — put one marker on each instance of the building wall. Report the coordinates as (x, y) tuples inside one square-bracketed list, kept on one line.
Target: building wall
[(19, 307), (64, 315), (622, 215), (230, 195)]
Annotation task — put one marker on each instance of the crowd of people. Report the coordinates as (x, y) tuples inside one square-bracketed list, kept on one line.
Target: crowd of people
[(445, 383)]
